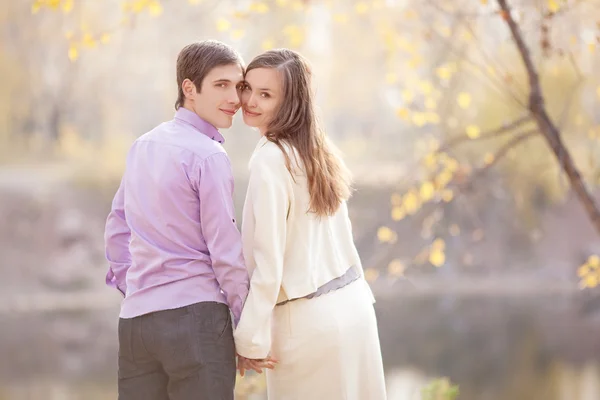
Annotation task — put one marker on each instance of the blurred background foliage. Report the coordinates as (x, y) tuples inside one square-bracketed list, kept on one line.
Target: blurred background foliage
[(470, 232)]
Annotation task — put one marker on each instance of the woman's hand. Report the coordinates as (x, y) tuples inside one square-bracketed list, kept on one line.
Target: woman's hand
[(255, 364)]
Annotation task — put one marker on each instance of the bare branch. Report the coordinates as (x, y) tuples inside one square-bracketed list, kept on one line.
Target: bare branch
[(504, 129), (547, 128), (503, 151), (499, 85)]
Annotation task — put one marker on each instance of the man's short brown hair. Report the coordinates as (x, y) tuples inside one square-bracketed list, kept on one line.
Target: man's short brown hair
[(196, 60)]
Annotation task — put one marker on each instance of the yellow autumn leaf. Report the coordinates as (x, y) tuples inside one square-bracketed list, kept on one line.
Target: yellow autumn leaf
[(53, 4), (67, 6), (427, 190), (391, 78), (88, 40), (281, 3), (223, 25), (443, 72), (434, 145), (439, 244), (553, 6), (484, 2), (138, 6), (105, 38), (403, 113), (430, 160), (451, 164), (415, 62), (593, 261), (73, 53), (294, 34), (408, 95), (419, 119), (437, 257), (444, 178), (464, 100), (398, 213), (430, 103), (447, 195), (385, 234), (259, 7), (371, 274), (473, 131), (426, 87), (361, 7), (591, 47), (467, 36), (155, 8), (591, 281), (396, 199), (267, 44), (35, 7), (432, 117), (396, 268), (237, 34), (583, 271), (340, 18), (488, 158), (411, 202)]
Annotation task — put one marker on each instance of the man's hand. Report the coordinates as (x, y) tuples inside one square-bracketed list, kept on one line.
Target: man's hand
[(255, 364)]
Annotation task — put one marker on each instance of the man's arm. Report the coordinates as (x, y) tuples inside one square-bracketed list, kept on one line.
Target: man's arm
[(116, 240), (223, 239)]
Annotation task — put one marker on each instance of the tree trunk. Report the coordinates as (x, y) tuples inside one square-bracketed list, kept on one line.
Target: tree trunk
[(545, 124)]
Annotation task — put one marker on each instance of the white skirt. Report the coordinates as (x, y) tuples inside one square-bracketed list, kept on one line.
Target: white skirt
[(328, 348)]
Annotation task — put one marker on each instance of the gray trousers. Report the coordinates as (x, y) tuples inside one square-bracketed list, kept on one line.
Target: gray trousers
[(183, 354)]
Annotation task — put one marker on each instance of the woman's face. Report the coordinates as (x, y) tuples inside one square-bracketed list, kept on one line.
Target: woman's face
[(261, 96)]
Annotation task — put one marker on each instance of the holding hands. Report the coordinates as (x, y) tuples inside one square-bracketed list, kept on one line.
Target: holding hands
[(255, 364)]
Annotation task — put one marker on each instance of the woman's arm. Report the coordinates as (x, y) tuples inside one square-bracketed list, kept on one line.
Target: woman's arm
[(269, 189)]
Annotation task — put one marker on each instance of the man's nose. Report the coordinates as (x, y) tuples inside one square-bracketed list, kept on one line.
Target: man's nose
[(233, 97)]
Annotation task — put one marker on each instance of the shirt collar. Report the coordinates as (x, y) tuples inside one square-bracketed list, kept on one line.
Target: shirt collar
[(185, 115)]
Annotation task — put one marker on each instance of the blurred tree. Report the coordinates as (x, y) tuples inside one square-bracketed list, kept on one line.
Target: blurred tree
[(470, 83)]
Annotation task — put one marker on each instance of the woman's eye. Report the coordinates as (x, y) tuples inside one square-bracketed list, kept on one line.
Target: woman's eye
[(264, 95)]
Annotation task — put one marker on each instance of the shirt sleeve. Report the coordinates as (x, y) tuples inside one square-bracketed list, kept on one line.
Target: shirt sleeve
[(269, 191), (116, 239), (223, 239)]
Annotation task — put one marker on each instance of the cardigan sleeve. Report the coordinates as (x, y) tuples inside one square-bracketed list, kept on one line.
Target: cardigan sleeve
[(270, 192)]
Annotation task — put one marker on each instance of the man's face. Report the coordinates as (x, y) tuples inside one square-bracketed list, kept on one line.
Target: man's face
[(218, 100)]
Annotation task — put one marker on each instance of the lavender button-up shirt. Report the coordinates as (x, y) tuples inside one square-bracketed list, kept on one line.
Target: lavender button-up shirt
[(171, 237)]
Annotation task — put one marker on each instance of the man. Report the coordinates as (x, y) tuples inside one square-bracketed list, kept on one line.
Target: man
[(172, 242)]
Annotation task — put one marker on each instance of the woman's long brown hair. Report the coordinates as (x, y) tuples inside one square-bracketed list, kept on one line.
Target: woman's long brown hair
[(295, 123)]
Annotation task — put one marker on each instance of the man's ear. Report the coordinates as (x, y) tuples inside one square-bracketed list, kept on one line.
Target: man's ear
[(189, 89)]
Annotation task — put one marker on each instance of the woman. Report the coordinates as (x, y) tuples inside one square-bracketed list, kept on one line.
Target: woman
[(309, 306)]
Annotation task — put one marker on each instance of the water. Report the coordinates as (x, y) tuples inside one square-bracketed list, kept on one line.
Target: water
[(495, 346)]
